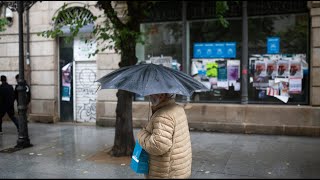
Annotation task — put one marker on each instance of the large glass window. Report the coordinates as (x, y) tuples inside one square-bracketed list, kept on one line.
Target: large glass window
[(162, 45), (281, 76), (214, 72), (273, 77), (161, 40)]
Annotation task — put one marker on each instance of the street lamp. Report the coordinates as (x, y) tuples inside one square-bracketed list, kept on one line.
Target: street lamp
[(23, 138)]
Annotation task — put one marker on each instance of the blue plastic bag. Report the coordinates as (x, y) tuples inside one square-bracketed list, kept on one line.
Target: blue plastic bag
[(140, 160)]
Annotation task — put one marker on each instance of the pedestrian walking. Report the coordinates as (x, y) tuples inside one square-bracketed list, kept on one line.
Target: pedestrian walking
[(166, 139), (16, 93), (7, 102)]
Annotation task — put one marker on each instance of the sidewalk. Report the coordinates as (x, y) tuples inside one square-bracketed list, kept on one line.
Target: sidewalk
[(67, 150)]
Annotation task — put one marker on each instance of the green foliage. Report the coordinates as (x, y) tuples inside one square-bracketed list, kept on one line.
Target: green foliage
[(70, 20), (3, 23), (221, 8), (112, 34)]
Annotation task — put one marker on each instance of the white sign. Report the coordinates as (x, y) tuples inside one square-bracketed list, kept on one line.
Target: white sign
[(295, 85)]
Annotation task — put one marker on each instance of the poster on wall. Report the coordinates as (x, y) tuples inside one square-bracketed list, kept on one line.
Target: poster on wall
[(295, 85), (271, 68), (284, 88), (66, 82), (233, 68), (296, 70), (222, 75), (214, 50), (217, 73), (260, 68), (283, 68), (283, 75), (273, 45)]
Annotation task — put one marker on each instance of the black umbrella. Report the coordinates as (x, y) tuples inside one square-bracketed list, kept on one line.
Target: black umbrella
[(147, 79)]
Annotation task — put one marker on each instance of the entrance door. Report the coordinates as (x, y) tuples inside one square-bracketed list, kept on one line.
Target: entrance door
[(66, 101), (85, 68), (86, 88)]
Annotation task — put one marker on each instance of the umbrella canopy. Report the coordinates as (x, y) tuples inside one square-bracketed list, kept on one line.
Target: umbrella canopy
[(147, 79)]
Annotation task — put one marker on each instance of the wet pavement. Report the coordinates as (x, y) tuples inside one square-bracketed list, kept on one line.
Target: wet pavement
[(63, 150)]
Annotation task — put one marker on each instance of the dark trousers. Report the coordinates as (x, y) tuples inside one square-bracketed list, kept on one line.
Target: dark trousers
[(10, 112)]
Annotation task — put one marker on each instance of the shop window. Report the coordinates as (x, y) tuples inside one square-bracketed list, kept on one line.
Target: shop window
[(161, 40), (280, 76), (162, 45), (220, 74)]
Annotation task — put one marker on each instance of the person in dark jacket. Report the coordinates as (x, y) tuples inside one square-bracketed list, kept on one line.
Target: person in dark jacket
[(7, 102), (16, 93)]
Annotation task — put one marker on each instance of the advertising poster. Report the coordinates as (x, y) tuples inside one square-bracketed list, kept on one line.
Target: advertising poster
[(219, 50), (271, 91), (233, 68), (66, 82), (214, 50), (283, 68), (295, 85), (284, 72), (260, 82), (199, 71), (222, 75), (222, 71), (260, 68), (230, 48), (296, 69), (284, 88), (272, 68), (217, 73), (273, 45)]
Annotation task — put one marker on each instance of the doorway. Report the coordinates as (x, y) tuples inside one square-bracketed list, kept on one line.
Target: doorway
[(66, 92)]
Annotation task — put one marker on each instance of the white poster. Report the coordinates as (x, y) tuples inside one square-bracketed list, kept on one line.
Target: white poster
[(296, 70), (295, 85)]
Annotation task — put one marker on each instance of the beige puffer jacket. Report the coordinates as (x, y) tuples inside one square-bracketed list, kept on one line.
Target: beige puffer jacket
[(167, 140)]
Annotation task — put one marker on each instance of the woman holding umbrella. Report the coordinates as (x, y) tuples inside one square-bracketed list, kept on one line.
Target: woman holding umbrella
[(167, 139)]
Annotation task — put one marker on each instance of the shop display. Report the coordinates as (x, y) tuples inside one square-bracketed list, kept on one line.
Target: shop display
[(278, 75), (212, 65), (217, 73), (214, 50)]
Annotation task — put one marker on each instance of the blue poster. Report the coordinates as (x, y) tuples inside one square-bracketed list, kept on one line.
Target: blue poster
[(273, 45), (197, 50), (230, 49), (214, 50), (219, 50)]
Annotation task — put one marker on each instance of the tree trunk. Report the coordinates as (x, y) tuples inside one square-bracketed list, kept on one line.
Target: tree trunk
[(123, 140)]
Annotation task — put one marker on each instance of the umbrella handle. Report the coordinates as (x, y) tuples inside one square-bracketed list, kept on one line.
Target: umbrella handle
[(98, 88)]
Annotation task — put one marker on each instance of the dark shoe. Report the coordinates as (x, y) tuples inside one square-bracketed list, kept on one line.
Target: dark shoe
[(1, 132)]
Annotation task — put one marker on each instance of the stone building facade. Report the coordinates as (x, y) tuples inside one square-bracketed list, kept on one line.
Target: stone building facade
[(44, 67)]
